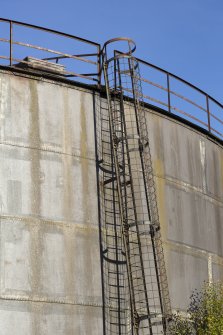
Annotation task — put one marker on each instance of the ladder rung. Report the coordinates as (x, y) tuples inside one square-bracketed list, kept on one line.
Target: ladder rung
[(118, 324), (117, 298), (134, 149), (128, 182), (157, 323), (115, 273), (110, 180)]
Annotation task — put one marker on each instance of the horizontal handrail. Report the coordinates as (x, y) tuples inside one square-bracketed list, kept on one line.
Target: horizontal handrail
[(91, 58), (180, 79), (57, 32), (209, 121), (62, 55), (207, 112)]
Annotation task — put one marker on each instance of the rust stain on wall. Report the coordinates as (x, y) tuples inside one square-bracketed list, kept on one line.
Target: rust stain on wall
[(67, 179), (160, 193), (35, 193), (83, 160)]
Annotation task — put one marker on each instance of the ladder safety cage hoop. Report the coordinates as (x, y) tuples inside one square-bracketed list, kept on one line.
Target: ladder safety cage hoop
[(138, 237)]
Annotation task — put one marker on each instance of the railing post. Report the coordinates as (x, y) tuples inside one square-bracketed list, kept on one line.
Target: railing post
[(208, 113), (168, 91), (99, 66), (11, 37)]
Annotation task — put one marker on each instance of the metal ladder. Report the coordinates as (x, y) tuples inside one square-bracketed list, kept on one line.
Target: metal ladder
[(136, 278), (115, 286)]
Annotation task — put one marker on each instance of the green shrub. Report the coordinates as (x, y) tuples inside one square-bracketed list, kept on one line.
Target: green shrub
[(205, 313)]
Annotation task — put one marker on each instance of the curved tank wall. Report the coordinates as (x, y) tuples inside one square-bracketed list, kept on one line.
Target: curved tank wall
[(50, 270), (188, 169), (49, 250)]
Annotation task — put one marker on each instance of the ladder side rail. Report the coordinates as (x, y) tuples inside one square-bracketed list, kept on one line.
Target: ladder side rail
[(119, 194), (122, 203), (155, 260), (137, 215), (133, 197), (105, 196), (122, 167), (108, 231), (117, 255), (150, 185), (133, 66), (98, 125)]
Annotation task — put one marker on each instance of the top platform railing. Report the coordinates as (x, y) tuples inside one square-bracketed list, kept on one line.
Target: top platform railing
[(179, 97), (79, 59)]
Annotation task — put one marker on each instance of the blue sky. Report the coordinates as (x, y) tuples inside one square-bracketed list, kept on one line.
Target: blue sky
[(182, 36)]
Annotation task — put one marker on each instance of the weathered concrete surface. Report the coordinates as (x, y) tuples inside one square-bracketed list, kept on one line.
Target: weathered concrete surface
[(188, 169), (49, 249), (50, 279)]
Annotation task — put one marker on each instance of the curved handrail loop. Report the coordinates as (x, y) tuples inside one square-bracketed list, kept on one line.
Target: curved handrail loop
[(130, 43)]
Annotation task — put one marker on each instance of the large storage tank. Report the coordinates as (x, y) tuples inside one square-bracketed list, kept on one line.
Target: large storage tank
[(51, 281), (50, 259)]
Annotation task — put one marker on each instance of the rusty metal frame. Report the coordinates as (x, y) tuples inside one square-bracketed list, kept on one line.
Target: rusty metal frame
[(175, 109), (80, 57), (207, 99), (214, 122), (139, 223)]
